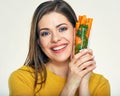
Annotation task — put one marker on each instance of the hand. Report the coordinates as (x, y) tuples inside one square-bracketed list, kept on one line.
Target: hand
[(83, 63), (87, 76), (84, 85), (79, 66)]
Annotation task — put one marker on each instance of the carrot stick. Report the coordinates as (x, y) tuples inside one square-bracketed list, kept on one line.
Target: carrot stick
[(89, 23), (83, 27), (77, 40), (83, 21), (77, 26), (80, 18)]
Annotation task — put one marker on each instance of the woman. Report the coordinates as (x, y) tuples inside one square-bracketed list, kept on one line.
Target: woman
[(51, 68)]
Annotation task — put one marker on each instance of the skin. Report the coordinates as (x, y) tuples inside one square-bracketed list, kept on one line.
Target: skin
[(56, 40)]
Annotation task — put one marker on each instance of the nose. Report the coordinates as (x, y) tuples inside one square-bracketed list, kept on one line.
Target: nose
[(56, 37)]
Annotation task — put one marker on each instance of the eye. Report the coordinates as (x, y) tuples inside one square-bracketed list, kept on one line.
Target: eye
[(62, 29), (45, 33)]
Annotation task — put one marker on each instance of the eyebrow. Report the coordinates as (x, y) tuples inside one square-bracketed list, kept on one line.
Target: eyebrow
[(61, 24), (43, 29), (56, 27)]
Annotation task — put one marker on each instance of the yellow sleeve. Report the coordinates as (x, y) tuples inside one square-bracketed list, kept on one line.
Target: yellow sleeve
[(103, 89), (20, 84), (99, 85)]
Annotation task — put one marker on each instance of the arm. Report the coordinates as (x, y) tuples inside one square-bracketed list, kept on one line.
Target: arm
[(84, 85)]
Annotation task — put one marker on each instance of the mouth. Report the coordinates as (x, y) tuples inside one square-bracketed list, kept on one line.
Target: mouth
[(59, 48)]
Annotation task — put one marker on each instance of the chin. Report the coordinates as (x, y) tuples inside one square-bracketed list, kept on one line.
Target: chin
[(63, 59)]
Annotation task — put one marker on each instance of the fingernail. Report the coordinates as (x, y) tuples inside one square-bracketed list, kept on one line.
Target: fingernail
[(85, 50)]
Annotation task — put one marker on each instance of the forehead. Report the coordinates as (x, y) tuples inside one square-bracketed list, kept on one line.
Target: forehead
[(53, 18)]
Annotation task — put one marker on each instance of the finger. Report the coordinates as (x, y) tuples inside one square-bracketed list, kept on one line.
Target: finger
[(84, 59), (86, 65), (91, 68), (72, 53), (77, 56), (73, 46), (81, 53), (90, 51), (87, 70)]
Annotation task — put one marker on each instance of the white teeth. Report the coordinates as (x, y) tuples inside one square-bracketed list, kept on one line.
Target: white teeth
[(60, 47)]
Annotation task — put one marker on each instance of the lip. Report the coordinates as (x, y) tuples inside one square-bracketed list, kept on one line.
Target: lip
[(59, 48)]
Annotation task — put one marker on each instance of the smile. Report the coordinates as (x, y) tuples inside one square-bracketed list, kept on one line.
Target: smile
[(59, 48)]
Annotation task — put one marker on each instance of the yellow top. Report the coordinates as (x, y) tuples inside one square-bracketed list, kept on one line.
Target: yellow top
[(21, 82)]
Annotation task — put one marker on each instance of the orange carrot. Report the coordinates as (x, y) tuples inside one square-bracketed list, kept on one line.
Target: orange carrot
[(80, 18), (77, 40), (77, 26), (83, 27), (89, 23), (83, 20)]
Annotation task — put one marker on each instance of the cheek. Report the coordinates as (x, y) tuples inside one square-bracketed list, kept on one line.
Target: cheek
[(70, 36), (43, 43)]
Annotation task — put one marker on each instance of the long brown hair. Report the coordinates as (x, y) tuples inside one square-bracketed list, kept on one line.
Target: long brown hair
[(36, 57)]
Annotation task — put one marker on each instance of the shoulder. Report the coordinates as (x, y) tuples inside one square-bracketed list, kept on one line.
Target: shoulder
[(98, 77), (99, 85), (23, 73), (99, 82), (21, 81)]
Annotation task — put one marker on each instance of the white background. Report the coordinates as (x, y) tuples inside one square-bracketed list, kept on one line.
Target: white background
[(15, 19)]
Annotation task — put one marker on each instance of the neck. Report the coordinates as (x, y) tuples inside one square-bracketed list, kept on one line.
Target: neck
[(58, 68)]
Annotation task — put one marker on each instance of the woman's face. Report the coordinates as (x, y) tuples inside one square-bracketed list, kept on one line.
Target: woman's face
[(56, 36)]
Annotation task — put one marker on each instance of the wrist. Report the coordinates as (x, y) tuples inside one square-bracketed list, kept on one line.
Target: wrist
[(69, 89), (84, 88)]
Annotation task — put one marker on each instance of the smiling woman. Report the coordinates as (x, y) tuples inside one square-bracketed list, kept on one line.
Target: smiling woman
[(51, 68), (56, 36)]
